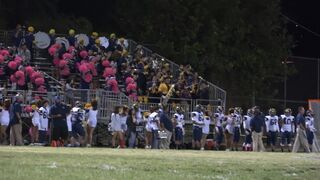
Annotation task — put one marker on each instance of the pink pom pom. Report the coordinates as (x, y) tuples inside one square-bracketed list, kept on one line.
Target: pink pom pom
[(19, 74), (18, 58), (131, 87), (21, 82), (83, 54), (65, 71), (129, 80), (42, 89), (39, 81), (108, 72), (29, 70), (12, 65), (1, 59), (71, 49), (93, 69), (83, 68), (28, 109), (88, 78), (67, 56), (13, 78), (4, 52), (35, 75), (56, 46), (106, 63), (52, 51), (114, 85), (63, 63), (56, 62)]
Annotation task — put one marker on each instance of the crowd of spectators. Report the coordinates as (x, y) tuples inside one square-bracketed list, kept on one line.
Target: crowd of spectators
[(140, 75)]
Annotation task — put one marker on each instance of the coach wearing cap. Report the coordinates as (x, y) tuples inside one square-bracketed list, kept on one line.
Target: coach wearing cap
[(58, 114)]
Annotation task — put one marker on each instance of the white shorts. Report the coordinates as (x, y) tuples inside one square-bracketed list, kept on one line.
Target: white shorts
[(92, 123)]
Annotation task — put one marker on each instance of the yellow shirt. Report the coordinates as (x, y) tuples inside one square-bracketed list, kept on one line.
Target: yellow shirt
[(163, 88)]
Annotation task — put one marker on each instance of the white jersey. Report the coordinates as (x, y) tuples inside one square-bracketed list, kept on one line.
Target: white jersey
[(77, 115), (179, 119), (246, 122), (206, 126), (36, 118), (237, 120), (287, 122), (44, 113), (92, 117), (5, 117), (69, 124), (197, 118), (154, 120), (310, 123), (272, 123), (219, 118)]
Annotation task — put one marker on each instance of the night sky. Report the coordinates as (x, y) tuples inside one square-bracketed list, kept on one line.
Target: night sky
[(307, 45)]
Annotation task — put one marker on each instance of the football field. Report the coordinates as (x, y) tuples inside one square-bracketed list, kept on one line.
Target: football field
[(103, 163)]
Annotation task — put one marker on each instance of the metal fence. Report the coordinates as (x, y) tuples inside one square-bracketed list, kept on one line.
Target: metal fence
[(215, 92)]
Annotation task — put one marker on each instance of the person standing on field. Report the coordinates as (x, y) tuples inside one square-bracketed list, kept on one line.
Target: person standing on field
[(256, 124), (16, 122), (301, 137)]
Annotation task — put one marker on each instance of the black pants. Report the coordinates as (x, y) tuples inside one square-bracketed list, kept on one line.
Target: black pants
[(59, 130)]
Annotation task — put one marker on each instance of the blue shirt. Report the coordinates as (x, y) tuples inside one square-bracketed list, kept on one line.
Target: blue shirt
[(167, 123), (256, 123), (300, 120), (14, 109), (59, 109)]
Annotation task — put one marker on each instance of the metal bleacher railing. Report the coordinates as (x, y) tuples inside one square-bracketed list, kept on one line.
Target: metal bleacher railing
[(215, 93), (108, 100)]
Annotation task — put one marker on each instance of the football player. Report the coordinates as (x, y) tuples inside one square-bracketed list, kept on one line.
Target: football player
[(219, 119), (236, 127), (272, 126), (229, 122), (178, 120), (205, 129), (310, 128), (287, 125), (77, 118), (198, 122), (246, 126), (44, 121)]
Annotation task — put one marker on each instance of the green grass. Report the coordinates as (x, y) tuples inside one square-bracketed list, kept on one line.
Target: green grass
[(101, 163)]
